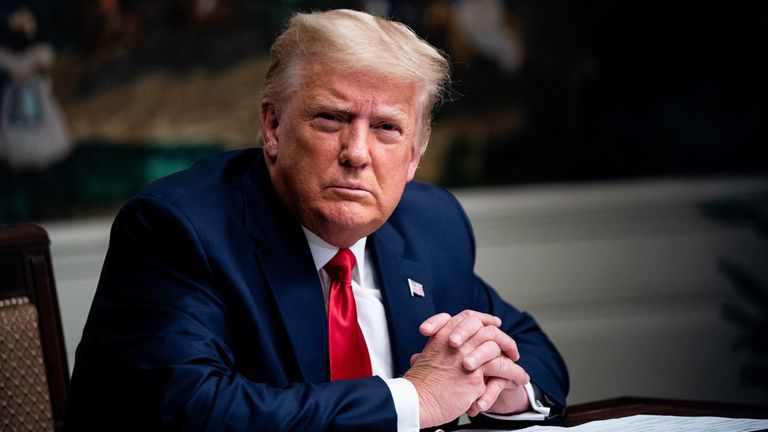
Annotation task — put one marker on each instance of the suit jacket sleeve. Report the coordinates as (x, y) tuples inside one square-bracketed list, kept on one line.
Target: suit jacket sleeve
[(160, 348)]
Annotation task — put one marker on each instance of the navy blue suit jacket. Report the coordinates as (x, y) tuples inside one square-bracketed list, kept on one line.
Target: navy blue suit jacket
[(209, 314)]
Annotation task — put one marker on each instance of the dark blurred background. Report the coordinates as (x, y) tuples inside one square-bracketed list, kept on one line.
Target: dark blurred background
[(543, 91), (610, 154)]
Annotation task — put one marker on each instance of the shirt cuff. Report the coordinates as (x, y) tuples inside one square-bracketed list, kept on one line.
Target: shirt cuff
[(406, 403), (538, 411)]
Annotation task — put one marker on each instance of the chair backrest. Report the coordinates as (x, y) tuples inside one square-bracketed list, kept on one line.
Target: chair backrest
[(34, 375)]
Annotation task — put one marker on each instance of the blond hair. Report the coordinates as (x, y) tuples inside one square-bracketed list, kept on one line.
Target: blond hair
[(353, 40)]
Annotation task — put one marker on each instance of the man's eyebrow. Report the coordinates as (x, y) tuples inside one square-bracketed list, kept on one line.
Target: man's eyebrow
[(391, 113), (321, 105)]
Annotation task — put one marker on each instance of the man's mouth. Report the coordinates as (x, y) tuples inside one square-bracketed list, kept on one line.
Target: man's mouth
[(350, 189)]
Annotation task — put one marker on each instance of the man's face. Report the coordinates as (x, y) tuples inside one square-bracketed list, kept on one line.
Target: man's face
[(342, 149)]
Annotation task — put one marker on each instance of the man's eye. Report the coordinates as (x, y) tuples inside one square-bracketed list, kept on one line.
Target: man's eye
[(328, 116), (389, 127), (328, 122)]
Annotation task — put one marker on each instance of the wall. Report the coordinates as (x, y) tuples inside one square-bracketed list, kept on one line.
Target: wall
[(623, 277)]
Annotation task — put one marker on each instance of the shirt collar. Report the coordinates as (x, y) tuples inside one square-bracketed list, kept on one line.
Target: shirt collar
[(322, 252)]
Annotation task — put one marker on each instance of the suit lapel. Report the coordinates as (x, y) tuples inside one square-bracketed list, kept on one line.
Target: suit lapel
[(286, 261), (404, 312)]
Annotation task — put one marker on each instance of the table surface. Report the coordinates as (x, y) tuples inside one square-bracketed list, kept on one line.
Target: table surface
[(627, 406)]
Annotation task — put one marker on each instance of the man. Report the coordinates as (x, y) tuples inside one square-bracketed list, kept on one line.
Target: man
[(309, 286)]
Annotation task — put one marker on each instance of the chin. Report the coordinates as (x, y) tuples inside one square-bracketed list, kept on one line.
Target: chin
[(354, 223)]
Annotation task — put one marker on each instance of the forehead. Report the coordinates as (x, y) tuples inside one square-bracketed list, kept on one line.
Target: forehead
[(326, 86)]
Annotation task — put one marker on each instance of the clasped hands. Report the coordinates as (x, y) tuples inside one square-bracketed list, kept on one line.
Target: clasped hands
[(468, 365)]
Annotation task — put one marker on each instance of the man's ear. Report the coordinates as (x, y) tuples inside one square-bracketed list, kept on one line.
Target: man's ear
[(269, 125), (413, 165)]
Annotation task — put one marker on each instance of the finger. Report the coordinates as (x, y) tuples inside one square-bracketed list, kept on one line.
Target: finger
[(507, 345), (504, 368), (482, 354), (487, 319), (464, 330), (465, 324), (433, 324), (512, 399), (493, 389)]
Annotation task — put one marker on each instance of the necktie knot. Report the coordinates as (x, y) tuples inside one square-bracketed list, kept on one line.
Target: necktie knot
[(340, 266)]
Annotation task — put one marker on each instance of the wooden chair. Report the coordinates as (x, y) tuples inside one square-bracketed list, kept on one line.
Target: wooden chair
[(34, 375)]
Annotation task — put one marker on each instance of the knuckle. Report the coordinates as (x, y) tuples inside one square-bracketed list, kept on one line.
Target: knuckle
[(473, 322), (489, 332), (477, 380), (443, 333), (492, 349), (455, 320), (502, 365)]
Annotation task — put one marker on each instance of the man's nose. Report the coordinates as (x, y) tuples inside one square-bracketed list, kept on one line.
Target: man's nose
[(355, 145)]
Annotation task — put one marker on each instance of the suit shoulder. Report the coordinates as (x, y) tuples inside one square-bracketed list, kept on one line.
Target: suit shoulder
[(433, 226), (428, 197), (210, 172), (429, 205)]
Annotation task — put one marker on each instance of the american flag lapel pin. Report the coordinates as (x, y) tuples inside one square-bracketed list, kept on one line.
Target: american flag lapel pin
[(417, 290)]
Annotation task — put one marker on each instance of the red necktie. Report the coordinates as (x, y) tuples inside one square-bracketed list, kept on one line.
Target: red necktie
[(346, 344)]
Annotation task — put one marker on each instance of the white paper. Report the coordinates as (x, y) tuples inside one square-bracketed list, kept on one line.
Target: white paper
[(656, 423)]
